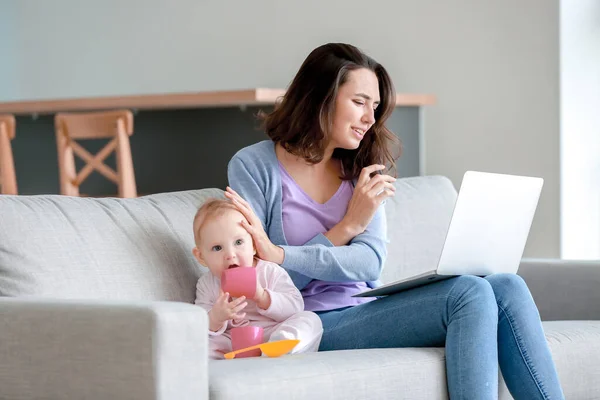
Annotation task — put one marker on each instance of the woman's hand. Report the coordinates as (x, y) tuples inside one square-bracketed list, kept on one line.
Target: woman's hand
[(368, 195), (265, 249)]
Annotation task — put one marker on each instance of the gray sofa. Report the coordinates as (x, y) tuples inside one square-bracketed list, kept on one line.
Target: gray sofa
[(97, 304)]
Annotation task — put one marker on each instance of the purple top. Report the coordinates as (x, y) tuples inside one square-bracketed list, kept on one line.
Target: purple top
[(303, 218)]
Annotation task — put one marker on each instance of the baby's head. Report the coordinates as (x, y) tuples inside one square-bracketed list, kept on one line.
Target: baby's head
[(221, 240)]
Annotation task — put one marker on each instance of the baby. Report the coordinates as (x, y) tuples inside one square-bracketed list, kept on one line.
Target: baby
[(277, 307)]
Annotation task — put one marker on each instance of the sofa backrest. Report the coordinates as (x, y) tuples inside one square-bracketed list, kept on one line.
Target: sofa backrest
[(140, 249), (126, 249), (418, 217)]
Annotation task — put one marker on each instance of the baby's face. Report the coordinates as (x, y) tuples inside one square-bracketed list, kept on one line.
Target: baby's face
[(224, 243)]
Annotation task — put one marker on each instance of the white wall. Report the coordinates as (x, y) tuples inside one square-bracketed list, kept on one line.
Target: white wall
[(493, 66), (580, 129)]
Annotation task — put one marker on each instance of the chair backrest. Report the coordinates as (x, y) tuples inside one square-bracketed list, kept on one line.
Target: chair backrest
[(71, 127), (8, 179)]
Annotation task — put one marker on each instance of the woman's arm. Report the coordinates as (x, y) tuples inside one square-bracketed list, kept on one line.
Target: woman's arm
[(361, 260), (369, 194), (340, 235)]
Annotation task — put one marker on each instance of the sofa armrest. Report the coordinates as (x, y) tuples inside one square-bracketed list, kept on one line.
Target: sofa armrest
[(562, 289), (59, 349)]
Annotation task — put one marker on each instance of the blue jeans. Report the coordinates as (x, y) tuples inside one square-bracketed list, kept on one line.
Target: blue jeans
[(482, 322)]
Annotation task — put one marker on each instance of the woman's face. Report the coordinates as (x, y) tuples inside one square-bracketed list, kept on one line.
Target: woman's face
[(354, 111)]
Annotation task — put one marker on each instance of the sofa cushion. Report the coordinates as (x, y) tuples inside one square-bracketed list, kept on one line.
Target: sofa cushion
[(351, 374), (410, 373), (418, 217), (575, 347), (70, 247)]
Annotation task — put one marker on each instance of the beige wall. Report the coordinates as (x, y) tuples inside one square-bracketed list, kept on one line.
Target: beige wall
[(497, 78), (492, 64), (8, 62)]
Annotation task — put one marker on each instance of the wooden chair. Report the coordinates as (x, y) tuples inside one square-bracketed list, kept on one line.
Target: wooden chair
[(115, 125), (8, 180)]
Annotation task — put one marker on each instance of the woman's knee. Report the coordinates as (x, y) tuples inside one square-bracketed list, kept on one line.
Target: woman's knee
[(508, 286), (475, 292), (509, 281)]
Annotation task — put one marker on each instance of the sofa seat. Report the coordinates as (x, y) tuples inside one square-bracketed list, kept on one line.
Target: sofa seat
[(410, 373), (575, 347)]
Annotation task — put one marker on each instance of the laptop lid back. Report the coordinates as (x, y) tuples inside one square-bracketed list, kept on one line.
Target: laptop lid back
[(490, 224)]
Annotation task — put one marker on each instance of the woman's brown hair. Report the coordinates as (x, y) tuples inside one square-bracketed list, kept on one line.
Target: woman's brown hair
[(301, 122)]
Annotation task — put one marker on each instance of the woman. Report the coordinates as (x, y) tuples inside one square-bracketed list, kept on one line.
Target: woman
[(313, 196)]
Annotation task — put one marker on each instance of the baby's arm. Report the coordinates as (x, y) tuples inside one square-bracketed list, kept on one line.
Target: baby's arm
[(220, 309), (206, 296), (286, 299)]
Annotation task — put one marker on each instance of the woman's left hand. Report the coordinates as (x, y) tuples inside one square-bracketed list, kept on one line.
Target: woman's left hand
[(265, 249)]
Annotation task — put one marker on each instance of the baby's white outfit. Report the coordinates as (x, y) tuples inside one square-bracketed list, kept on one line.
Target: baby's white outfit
[(284, 319)]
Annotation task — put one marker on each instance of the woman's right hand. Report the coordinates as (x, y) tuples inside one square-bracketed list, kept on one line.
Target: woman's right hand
[(369, 193)]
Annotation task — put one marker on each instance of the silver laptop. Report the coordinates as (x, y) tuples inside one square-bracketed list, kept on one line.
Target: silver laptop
[(487, 233)]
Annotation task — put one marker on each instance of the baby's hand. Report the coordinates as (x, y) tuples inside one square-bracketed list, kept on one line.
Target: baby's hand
[(224, 310), (262, 297)]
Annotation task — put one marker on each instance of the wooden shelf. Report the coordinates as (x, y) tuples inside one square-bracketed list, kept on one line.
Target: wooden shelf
[(227, 98)]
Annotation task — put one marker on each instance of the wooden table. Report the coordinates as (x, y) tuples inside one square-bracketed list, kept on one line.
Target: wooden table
[(215, 99)]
